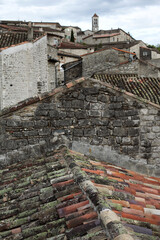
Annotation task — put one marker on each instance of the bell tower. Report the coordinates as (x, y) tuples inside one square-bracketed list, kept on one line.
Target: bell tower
[(95, 23)]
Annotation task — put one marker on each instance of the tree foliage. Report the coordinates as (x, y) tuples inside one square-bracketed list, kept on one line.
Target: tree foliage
[(72, 36), (153, 46)]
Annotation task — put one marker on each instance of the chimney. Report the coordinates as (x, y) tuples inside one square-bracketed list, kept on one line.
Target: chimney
[(30, 31)]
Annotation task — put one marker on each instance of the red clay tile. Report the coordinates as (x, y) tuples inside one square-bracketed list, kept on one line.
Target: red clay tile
[(156, 217), (130, 190), (62, 184), (93, 171), (120, 175), (117, 179), (104, 186), (137, 207), (150, 181), (140, 194), (150, 190), (79, 220), (139, 199), (16, 230), (68, 197), (150, 195), (69, 85), (70, 209), (133, 211), (122, 202), (138, 218)]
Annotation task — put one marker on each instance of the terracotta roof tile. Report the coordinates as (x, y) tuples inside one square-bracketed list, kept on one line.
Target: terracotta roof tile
[(70, 45), (11, 38), (143, 87)]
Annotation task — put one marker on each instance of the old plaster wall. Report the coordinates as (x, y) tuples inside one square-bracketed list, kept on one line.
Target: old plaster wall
[(99, 61), (91, 118), (24, 71), (148, 70)]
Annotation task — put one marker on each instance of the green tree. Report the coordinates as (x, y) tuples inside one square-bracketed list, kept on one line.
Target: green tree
[(72, 36)]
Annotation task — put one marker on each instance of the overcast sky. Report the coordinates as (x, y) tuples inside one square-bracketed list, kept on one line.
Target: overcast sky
[(138, 17)]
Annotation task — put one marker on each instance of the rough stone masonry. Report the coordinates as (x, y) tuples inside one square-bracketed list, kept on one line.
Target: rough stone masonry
[(92, 118)]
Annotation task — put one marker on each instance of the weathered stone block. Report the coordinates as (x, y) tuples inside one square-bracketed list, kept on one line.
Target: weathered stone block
[(119, 131), (133, 132), (78, 132), (41, 123), (91, 98), (84, 122), (103, 132), (81, 114), (126, 140), (117, 123), (44, 132), (78, 104), (41, 112), (156, 129), (95, 113), (13, 123), (88, 132), (66, 104), (103, 98), (28, 124), (91, 91), (115, 106), (54, 114), (108, 113)]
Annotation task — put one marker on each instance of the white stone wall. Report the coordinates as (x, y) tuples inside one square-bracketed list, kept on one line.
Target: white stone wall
[(136, 48), (24, 71)]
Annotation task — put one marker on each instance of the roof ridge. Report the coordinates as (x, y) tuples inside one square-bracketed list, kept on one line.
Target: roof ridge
[(104, 210)]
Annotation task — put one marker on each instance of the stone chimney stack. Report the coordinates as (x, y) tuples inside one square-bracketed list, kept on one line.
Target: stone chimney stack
[(30, 31)]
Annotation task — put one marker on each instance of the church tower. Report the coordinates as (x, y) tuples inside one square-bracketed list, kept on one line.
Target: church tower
[(95, 23)]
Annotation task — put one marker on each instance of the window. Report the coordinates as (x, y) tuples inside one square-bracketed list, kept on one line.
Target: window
[(145, 54)]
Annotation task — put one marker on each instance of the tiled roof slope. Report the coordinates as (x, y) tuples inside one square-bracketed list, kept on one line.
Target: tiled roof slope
[(40, 200), (71, 45), (135, 198), (8, 39), (53, 198), (143, 87)]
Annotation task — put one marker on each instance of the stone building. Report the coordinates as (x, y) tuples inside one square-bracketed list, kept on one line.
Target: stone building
[(27, 68), (75, 48), (107, 36), (69, 29), (95, 23)]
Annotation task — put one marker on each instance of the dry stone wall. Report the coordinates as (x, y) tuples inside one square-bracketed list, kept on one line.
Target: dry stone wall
[(90, 118)]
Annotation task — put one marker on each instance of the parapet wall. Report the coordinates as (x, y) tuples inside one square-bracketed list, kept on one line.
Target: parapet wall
[(90, 117)]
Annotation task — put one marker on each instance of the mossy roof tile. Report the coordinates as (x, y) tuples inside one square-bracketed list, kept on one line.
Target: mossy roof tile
[(53, 198)]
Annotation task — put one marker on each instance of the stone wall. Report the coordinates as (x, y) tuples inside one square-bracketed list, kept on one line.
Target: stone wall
[(92, 118), (24, 71), (108, 60), (124, 68), (99, 61), (72, 70), (146, 69)]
